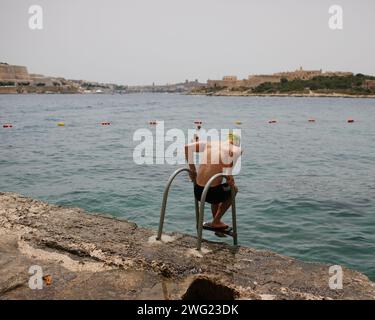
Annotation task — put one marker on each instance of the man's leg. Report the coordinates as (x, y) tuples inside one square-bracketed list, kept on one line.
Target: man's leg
[(223, 207), (214, 208)]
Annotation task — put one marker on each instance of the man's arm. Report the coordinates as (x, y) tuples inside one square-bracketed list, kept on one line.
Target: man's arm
[(228, 168), (189, 156)]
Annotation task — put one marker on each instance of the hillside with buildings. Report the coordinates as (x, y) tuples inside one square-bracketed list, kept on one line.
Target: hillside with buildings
[(17, 79), (299, 82)]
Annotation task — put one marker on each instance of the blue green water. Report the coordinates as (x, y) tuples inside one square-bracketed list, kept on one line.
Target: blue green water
[(307, 190)]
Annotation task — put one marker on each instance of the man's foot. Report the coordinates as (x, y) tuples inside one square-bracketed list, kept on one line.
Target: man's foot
[(215, 225), (218, 225)]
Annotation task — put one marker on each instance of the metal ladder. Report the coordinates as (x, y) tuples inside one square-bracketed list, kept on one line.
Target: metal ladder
[(199, 210)]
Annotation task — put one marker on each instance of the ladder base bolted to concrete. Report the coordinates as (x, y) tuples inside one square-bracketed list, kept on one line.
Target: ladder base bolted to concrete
[(199, 209)]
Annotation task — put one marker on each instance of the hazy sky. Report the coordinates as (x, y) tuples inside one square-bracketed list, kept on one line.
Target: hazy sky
[(145, 41)]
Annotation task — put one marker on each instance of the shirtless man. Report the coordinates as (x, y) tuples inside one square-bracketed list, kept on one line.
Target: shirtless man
[(218, 156)]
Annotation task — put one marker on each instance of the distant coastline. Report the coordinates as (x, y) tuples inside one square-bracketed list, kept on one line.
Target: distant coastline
[(299, 83), (228, 93), (17, 80)]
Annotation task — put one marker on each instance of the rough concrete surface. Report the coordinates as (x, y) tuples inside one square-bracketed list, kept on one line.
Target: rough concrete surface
[(90, 256)]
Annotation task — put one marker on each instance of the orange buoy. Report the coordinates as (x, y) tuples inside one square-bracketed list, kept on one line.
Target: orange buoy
[(272, 121), (350, 120), (311, 120), (47, 279), (7, 125), (106, 123)]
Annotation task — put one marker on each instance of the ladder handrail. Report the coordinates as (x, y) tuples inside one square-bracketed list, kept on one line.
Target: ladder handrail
[(199, 209), (202, 204), (165, 198)]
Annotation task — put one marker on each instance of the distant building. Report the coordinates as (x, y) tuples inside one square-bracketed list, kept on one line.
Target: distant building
[(369, 84), (299, 74), (229, 78), (227, 81)]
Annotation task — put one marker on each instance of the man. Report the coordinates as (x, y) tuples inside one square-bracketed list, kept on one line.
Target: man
[(218, 157)]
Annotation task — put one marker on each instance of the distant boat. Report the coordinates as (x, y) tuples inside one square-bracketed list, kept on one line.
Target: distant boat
[(98, 91)]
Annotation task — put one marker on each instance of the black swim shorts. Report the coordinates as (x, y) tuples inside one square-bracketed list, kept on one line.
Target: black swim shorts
[(215, 194)]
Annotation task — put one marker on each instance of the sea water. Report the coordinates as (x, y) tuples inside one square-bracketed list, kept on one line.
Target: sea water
[(306, 189)]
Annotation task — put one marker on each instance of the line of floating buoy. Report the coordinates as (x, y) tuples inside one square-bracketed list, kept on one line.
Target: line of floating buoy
[(154, 122), (198, 124)]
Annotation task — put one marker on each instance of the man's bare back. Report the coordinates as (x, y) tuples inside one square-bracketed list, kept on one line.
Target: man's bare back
[(217, 156)]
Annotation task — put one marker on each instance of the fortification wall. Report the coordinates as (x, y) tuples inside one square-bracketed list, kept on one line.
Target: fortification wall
[(255, 81), (251, 82), (227, 83), (11, 73)]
